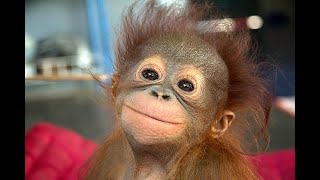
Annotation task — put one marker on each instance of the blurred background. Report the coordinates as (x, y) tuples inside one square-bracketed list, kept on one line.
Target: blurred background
[(67, 40)]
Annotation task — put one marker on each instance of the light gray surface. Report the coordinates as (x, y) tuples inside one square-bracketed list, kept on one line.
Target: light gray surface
[(74, 105)]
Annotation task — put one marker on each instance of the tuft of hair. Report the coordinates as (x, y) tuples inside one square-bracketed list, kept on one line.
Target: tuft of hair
[(248, 95)]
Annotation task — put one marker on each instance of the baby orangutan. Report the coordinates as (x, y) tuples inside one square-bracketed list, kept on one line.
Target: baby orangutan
[(182, 91)]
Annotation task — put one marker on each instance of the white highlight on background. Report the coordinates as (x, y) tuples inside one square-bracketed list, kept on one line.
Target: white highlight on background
[(254, 22)]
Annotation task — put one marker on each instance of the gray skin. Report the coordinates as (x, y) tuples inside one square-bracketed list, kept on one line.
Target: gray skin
[(178, 51)]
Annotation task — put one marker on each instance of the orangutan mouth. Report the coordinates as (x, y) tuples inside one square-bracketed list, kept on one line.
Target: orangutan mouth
[(150, 116)]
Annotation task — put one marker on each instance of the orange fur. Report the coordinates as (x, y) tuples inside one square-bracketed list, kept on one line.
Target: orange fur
[(213, 158)]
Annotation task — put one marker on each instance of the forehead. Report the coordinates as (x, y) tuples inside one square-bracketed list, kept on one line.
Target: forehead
[(179, 50)]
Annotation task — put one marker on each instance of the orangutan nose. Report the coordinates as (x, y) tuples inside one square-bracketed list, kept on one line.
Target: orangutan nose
[(161, 93)]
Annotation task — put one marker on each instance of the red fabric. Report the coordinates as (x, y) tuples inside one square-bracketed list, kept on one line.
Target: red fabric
[(53, 153), (277, 165)]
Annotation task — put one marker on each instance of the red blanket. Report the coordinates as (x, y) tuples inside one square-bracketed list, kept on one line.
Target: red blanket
[(53, 153)]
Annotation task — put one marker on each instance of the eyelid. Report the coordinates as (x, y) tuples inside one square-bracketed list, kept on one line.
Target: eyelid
[(148, 66), (152, 67)]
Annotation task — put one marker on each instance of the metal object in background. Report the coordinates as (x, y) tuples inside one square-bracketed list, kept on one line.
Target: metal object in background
[(63, 54)]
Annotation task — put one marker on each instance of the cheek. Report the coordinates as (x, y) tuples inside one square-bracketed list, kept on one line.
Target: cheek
[(147, 130), (200, 125)]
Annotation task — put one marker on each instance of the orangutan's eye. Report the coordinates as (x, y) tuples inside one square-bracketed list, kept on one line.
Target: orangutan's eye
[(150, 74), (185, 85)]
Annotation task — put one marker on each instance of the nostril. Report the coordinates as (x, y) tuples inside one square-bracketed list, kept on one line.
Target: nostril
[(154, 93), (166, 97)]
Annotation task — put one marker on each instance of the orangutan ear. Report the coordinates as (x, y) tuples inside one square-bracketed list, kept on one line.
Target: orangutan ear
[(222, 124)]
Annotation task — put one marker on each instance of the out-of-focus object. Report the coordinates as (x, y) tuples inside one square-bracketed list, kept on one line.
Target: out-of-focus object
[(254, 22), (53, 152), (30, 49), (286, 104), (63, 54)]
